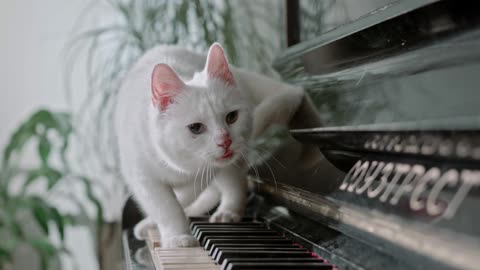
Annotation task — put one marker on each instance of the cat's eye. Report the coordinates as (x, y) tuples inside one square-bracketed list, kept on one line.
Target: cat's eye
[(231, 117), (196, 128)]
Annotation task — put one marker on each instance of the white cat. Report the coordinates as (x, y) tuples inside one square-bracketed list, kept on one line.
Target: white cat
[(183, 123)]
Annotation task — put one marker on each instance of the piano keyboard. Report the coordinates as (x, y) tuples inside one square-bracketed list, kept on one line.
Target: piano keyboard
[(235, 246)]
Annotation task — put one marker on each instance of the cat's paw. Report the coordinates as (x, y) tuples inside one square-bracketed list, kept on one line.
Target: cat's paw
[(140, 231), (225, 216), (182, 240)]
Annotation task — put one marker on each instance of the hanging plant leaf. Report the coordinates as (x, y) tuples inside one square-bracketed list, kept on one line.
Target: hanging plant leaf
[(31, 176), (53, 176), (41, 216), (18, 140), (59, 222), (44, 147), (63, 123)]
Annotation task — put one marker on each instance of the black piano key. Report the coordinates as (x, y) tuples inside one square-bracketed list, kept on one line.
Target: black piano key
[(255, 245), (239, 224), (203, 222), (197, 231), (217, 253), (204, 236), (246, 240), (260, 254), (226, 226), (278, 265), (228, 261), (249, 245)]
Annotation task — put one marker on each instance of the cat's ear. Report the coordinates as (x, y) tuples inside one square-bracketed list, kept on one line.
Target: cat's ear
[(165, 85), (217, 65)]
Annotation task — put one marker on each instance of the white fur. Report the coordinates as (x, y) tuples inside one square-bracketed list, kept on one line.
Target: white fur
[(173, 173)]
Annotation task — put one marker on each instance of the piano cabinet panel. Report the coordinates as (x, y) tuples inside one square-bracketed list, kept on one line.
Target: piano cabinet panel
[(395, 89)]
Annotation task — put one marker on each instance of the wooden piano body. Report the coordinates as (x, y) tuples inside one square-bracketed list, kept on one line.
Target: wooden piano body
[(396, 184)]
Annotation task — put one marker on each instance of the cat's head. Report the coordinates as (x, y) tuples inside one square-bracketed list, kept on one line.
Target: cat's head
[(206, 121)]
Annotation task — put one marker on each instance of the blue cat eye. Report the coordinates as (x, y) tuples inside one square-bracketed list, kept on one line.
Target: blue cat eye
[(196, 128)]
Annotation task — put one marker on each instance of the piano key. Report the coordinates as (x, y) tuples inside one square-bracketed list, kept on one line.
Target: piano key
[(217, 253), (207, 218), (228, 229), (225, 226), (256, 245), (179, 249), (183, 258), (247, 240), (190, 259), (260, 254), (206, 222), (204, 236), (278, 265), (236, 246), (213, 226), (228, 261), (190, 266)]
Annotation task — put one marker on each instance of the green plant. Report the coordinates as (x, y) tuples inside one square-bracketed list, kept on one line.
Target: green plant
[(27, 191)]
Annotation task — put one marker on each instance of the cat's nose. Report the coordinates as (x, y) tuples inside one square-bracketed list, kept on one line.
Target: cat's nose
[(226, 142)]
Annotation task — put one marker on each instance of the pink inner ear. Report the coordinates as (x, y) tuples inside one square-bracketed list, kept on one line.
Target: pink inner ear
[(165, 85), (217, 65)]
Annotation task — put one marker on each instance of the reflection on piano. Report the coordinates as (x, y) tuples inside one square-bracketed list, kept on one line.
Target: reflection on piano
[(397, 182)]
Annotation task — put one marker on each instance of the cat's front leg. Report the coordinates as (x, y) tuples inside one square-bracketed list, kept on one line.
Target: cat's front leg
[(161, 205), (205, 202), (232, 185)]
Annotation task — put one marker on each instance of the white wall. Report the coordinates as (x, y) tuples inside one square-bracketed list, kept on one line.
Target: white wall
[(33, 35)]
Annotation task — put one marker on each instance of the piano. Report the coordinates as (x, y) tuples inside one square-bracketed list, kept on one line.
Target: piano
[(391, 176)]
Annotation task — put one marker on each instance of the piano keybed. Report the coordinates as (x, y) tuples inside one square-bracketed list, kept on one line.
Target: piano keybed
[(235, 246)]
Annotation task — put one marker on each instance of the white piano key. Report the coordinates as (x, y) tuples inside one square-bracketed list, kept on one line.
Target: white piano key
[(195, 258)]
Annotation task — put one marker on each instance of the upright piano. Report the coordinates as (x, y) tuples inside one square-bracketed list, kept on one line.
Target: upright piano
[(394, 178)]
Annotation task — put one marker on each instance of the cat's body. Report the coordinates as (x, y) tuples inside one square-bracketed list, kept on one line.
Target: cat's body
[(183, 135)]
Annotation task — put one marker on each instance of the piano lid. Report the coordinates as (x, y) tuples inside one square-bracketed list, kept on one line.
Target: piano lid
[(397, 92)]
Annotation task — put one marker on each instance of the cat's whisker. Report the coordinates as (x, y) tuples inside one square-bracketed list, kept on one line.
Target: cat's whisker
[(195, 184), (258, 149), (271, 172), (270, 169), (214, 173), (207, 178), (250, 165), (256, 173), (201, 180), (205, 181), (211, 174), (271, 155)]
